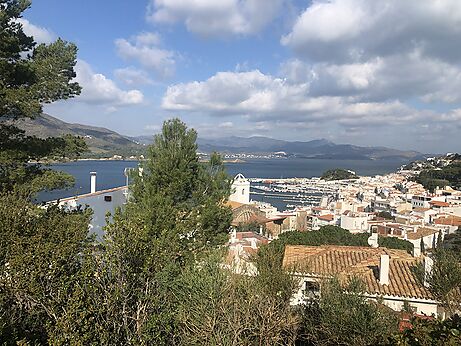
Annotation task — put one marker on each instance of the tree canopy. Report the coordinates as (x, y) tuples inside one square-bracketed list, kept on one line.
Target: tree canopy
[(31, 75)]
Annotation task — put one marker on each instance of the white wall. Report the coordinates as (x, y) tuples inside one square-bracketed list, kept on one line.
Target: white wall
[(240, 190), (99, 206)]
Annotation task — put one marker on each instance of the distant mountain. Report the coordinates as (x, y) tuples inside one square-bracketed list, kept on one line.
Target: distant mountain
[(320, 148), (101, 141)]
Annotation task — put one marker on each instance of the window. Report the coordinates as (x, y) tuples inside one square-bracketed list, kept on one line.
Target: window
[(108, 198), (311, 289), (243, 191)]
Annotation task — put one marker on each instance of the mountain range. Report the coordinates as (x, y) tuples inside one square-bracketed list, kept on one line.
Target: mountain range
[(103, 143)]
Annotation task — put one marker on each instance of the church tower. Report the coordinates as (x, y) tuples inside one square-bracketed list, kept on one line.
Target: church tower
[(240, 190)]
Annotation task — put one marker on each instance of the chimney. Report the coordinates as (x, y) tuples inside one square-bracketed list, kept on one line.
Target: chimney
[(428, 263), (93, 182), (384, 270)]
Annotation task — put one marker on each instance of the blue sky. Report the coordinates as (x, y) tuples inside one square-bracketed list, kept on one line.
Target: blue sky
[(352, 71)]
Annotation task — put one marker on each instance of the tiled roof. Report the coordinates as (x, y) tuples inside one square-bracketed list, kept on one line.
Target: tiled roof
[(420, 233), (439, 204), (327, 217), (362, 262), (233, 204), (421, 210), (451, 220)]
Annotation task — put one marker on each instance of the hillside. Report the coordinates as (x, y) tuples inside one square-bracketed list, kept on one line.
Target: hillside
[(101, 141), (321, 148)]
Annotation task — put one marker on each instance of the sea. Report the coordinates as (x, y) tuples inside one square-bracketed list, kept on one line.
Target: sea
[(111, 173)]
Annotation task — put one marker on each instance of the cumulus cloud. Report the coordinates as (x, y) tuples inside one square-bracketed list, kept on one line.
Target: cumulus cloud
[(213, 18), (144, 49), (132, 76), (261, 98), (357, 30), (98, 89), (40, 35)]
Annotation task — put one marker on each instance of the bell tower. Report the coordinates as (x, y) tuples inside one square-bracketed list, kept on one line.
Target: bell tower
[(240, 190)]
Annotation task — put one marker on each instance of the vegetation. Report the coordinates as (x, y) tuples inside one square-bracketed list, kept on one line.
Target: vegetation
[(31, 75), (343, 317), (338, 174), (385, 215), (160, 277), (334, 235), (448, 175)]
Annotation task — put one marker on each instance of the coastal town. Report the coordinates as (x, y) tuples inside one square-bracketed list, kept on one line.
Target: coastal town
[(239, 172), (390, 206), (385, 206)]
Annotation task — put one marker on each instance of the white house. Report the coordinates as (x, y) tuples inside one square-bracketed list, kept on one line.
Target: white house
[(354, 222), (387, 274), (101, 202)]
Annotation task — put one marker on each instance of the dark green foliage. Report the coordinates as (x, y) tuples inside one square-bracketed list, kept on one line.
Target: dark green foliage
[(445, 279), (40, 261), (338, 174), (448, 175), (218, 307), (16, 171), (334, 235), (430, 332), (343, 317), (176, 215), (31, 75), (385, 215), (453, 241)]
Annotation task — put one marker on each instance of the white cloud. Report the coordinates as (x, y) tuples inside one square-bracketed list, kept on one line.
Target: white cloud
[(98, 89), (261, 98), (213, 18), (143, 48), (401, 76), (132, 76), (357, 30), (40, 35)]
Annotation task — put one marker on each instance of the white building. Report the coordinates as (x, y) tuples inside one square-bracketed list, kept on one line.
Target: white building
[(240, 190), (354, 222), (101, 202), (386, 273)]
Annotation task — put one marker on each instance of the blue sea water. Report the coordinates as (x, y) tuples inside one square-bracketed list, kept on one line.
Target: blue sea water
[(111, 173)]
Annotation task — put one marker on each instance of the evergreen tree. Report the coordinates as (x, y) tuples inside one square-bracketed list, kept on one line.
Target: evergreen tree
[(41, 248), (176, 213), (31, 75)]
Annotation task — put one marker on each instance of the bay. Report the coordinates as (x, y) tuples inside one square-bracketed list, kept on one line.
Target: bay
[(111, 173)]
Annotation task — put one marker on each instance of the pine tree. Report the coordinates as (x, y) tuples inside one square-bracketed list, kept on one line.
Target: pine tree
[(176, 213), (31, 75)]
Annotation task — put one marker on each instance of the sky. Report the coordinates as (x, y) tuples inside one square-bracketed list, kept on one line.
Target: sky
[(372, 73)]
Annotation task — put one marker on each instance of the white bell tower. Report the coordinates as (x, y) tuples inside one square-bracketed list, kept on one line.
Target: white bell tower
[(240, 190)]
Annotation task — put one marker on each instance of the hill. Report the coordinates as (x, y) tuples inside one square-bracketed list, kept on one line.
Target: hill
[(101, 141), (320, 148)]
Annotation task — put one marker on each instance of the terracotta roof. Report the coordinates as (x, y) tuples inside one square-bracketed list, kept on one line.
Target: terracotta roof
[(327, 217), (451, 220), (421, 209), (439, 204), (420, 233), (233, 204), (362, 262)]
